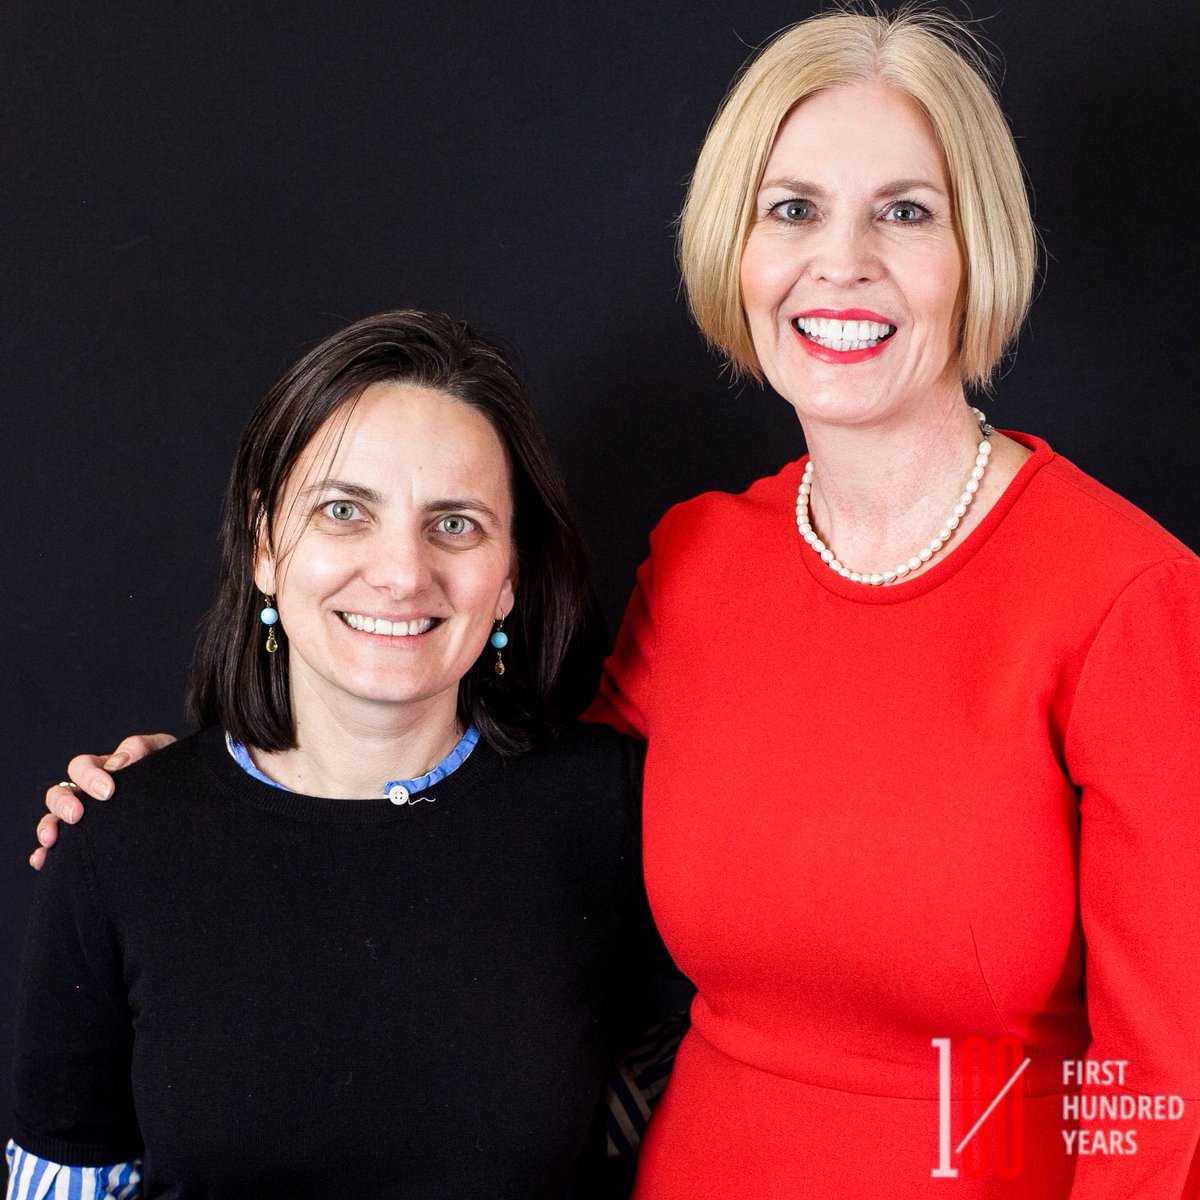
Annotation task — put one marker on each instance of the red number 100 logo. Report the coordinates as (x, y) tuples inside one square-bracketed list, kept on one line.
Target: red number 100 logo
[(994, 1143)]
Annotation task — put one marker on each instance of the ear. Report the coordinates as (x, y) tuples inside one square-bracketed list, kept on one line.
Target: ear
[(264, 560), (507, 598), (505, 601)]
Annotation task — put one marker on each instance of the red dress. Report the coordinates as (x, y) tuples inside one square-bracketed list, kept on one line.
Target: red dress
[(964, 806)]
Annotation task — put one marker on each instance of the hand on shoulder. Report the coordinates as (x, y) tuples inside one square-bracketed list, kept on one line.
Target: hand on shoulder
[(92, 775)]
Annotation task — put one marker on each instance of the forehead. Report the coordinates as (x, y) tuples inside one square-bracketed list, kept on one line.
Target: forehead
[(857, 131), (402, 433)]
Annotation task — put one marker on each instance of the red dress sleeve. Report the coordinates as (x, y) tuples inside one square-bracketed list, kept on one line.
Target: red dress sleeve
[(624, 698), (1133, 750)]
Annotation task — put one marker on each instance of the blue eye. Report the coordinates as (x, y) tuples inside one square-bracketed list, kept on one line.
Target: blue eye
[(455, 525), (906, 212), (342, 510), (793, 210)]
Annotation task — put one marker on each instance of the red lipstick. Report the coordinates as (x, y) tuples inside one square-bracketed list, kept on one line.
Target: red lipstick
[(844, 314), (842, 357)]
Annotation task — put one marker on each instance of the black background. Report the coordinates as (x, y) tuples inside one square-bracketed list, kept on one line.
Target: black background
[(192, 194)]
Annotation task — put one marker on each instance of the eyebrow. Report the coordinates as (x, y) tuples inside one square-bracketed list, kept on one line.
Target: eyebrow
[(353, 490), (892, 188), (458, 505), (356, 491)]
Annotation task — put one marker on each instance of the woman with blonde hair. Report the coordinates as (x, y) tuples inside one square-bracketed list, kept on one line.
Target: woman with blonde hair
[(920, 813), (920, 796)]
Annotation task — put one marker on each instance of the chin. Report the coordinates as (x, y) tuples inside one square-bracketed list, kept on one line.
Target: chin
[(378, 688), (831, 405)]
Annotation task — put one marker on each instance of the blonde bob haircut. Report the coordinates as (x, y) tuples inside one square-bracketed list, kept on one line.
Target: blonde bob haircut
[(932, 58)]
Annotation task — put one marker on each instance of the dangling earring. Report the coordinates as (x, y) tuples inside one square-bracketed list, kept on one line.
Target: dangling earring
[(270, 617), (499, 639)]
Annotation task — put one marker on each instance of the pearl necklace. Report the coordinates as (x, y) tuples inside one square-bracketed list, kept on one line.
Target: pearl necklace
[(918, 560)]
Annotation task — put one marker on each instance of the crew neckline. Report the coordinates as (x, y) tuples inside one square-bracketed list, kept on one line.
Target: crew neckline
[(269, 797), (457, 756), (954, 560)]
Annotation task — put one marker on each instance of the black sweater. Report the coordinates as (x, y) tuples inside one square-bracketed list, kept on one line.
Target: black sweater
[(264, 994)]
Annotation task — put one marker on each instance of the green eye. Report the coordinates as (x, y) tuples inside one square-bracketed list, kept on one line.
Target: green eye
[(343, 510), (454, 525)]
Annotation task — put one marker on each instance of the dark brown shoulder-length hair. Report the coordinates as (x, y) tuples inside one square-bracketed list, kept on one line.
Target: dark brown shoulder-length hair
[(556, 634)]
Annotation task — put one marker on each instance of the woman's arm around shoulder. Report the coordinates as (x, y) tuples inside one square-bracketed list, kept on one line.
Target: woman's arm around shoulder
[(624, 699)]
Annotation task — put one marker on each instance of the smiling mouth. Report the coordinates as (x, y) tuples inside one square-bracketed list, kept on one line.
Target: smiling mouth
[(842, 335), (366, 624)]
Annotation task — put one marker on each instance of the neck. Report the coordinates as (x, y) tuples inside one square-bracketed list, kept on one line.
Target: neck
[(881, 492), (354, 753)]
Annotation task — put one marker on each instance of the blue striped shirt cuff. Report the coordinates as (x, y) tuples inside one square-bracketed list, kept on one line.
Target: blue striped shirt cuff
[(33, 1178)]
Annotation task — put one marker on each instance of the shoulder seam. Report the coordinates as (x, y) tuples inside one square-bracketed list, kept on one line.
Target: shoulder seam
[(1158, 532)]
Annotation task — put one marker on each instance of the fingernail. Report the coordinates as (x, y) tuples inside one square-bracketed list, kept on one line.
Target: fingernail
[(104, 790), (116, 761)]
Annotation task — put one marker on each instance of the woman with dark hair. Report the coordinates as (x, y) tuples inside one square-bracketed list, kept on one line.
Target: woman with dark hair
[(364, 933)]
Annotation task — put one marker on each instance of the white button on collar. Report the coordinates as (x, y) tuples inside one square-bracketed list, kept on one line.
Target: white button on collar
[(398, 794)]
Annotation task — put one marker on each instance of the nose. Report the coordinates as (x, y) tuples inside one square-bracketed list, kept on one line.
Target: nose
[(844, 253), (399, 563)]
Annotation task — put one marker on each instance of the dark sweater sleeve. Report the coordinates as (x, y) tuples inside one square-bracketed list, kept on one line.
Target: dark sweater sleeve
[(73, 1100)]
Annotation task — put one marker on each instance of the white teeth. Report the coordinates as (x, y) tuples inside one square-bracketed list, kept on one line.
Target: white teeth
[(389, 628), (843, 335)]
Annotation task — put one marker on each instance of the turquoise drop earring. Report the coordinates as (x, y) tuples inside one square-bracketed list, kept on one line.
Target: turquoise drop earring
[(499, 639), (269, 616)]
